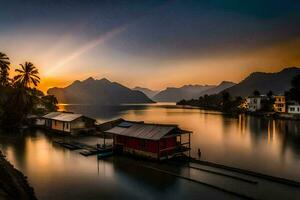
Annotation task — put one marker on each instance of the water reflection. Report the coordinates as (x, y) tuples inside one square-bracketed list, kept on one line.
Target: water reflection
[(57, 173), (268, 146)]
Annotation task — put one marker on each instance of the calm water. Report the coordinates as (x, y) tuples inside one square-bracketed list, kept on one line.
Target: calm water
[(267, 146)]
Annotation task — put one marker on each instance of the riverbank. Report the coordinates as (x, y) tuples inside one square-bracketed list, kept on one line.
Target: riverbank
[(261, 114), (273, 115), (13, 184)]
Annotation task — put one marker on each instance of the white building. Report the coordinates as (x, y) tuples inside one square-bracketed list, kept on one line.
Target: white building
[(294, 109), (68, 122), (254, 103)]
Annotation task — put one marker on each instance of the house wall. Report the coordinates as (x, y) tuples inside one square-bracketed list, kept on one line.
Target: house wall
[(61, 126), (254, 103), (279, 104), (82, 122), (146, 148), (294, 109)]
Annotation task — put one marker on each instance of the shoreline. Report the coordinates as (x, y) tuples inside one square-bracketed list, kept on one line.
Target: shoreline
[(13, 183), (267, 115)]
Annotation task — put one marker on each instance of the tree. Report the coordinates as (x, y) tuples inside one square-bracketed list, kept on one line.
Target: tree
[(225, 97), (51, 102), (296, 82), (28, 75), (4, 69), (16, 108), (256, 93), (294, 92), (270, 94)]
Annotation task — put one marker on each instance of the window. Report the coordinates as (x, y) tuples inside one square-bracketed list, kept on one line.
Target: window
[(292, 109)]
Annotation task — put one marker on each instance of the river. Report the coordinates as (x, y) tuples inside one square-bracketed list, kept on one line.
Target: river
[(267, 146)]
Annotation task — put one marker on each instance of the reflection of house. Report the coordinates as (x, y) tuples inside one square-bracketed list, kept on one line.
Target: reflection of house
[(68, 122), (254, 103), (294, 109), (279, 104), (154, 141)]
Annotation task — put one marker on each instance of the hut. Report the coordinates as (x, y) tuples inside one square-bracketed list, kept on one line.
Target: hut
[(155, 141), (68, 122)]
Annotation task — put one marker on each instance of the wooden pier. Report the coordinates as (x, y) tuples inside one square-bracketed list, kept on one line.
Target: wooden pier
[(85, 149)]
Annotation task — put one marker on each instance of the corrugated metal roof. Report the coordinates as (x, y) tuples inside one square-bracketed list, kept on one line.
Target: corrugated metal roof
[(51, 115), (67, 117), (59, 116), (143, 131)]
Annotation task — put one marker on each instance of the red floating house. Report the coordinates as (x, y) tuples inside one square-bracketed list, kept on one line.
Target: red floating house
[(155, 141)]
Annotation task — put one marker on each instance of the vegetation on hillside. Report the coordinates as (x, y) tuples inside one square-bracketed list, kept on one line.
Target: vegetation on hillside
[(294, 93), (19, 95), (222, 102), (226, 103)]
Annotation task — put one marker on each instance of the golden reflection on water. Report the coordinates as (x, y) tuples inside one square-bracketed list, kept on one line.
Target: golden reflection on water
[(267, 146), (245, 141)]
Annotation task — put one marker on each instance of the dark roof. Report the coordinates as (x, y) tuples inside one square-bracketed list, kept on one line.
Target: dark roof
[(144, 130)]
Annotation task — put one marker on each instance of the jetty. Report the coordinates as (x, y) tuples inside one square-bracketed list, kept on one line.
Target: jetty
[(85, 149)]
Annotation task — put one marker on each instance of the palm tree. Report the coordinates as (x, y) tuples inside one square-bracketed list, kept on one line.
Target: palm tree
[(4, 69), (28, 74)]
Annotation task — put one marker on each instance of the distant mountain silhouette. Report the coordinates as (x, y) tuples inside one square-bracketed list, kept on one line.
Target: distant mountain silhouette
[(219, 88), (172, 94), (98, 92), (146, 91), (263, 82)]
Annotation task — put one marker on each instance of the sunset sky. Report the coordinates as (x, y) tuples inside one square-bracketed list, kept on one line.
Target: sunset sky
[(151, 44)]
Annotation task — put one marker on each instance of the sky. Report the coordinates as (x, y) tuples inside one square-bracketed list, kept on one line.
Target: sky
[(154, 44)]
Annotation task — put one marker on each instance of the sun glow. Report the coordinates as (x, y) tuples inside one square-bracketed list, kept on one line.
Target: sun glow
[(85, 48)]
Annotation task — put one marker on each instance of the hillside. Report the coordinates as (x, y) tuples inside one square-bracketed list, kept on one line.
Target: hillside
[(172, 94), (146, 91), (219, 88), (98, 92), (277, 82)]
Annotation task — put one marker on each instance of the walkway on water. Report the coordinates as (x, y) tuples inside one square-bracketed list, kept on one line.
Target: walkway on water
[(237, 182)]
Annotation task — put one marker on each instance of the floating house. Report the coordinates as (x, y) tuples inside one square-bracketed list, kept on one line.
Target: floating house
[(279, 104), (68, 122), (155, 141), (294, 109)]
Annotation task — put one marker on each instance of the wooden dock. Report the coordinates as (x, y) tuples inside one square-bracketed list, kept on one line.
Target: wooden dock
[(85, 149)]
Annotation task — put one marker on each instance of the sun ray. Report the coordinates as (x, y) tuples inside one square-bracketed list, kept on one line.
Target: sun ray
[(86, 47)]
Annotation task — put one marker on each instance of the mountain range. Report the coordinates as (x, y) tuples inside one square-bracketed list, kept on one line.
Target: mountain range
[(150, 93), (277, 82), (105, 92), (190, 92), (98, 92)]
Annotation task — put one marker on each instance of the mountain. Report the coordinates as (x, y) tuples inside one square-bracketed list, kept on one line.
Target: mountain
[(146, 91), (99, 92), (172, 94), (263, 82), (219, 88)]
